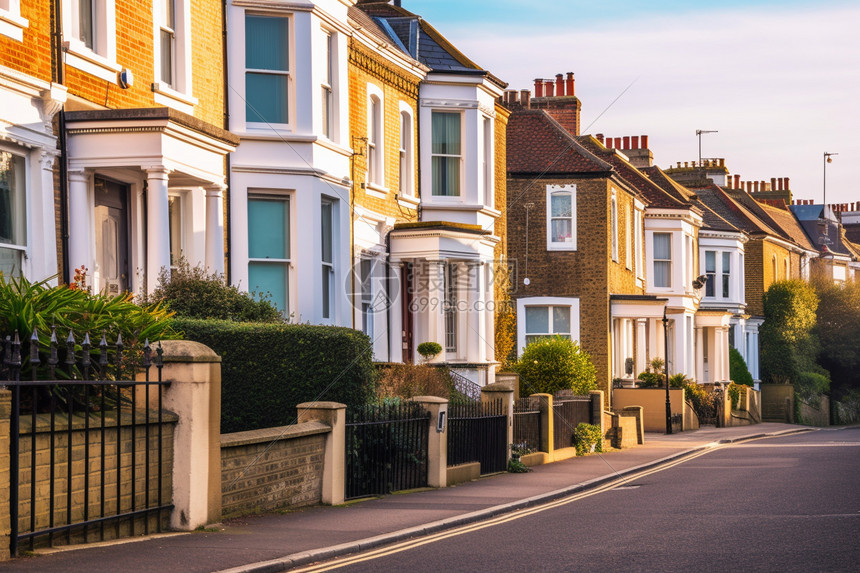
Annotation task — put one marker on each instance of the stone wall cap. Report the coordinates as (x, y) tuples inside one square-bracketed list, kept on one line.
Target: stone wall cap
[(248, 437), (501, 386), (187, 351), (321, 406), (429, 399)]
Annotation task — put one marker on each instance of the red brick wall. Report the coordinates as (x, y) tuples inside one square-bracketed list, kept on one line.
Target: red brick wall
[(33, 55)]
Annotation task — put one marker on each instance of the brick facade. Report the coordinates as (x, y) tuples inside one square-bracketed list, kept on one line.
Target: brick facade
[(33, 55)]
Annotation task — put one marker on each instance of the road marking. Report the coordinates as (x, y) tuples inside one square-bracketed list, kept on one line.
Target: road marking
[(413, 543), (824, 445)]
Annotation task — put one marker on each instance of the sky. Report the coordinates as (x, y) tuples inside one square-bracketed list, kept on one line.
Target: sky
[(778, 81)]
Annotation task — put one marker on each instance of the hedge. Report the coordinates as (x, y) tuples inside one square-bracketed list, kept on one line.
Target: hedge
[(267, 369)]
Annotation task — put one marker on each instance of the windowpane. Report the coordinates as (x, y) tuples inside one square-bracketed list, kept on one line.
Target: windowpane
[(85, 23), (268, 229), (726, 274), (562, 205), (662, 246), (272, 278), (562, 231), (327, 279), (326, 218), (710, 270), (167, 57), (445, 165), (662, 270), (446, 176), (266, 98), (12, 195), (266, 43), (446, 133), (662, 259), (174, 215), (561, 319), (537, 319)]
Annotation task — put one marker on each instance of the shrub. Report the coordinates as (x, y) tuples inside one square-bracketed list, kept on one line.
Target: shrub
[(193, 293), (268, 369), (788, 345), (429, 349), (586, 436), (703, 401), (555, 363), (679, 380), (738, 370), (650, 379), (408, 380), (809, 386)]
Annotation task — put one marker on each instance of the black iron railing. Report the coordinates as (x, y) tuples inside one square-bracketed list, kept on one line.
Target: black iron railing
[(478, 433), (527, 425), (386, 449), (83, 413), (464, 389)]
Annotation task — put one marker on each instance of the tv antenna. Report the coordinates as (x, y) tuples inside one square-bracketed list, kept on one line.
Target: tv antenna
[(699, 133)]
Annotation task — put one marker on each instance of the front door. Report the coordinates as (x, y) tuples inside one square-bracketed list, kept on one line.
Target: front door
[(111, 220)]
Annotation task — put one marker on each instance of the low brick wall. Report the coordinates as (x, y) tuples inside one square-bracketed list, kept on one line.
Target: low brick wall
[(272, 468), (653, 402)]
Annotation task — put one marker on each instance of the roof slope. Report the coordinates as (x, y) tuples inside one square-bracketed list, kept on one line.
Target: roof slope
[(538, 144), (790, 225), (727, 208)]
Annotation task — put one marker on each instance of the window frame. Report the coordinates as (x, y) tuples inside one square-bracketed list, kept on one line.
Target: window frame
[(288, 73), (328, 307), (98, 60), (327, 112), (375, 138), (12, 24), (487, 158), (711, 273), (287, 262), (459, 157), (406, 152), (666, 261), (560, 190), (177, 92), (573, 303), (726, 274), (17, 244), (179, 199)]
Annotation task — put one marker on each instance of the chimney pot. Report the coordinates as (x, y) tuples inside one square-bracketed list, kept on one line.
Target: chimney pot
[(549, 88), (538, 88), (525, 98), (626, 142), (737, 181), (569, 82), (559, 85), (787, 185), (634, 142), (644, 140), (617, 143), (772, 184)]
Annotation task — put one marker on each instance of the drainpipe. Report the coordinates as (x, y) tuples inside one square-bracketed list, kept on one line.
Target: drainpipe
[(388, 295), (58, 76), (229, 191)]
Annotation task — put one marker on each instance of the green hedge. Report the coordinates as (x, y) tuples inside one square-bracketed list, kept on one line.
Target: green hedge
[(268, 369)]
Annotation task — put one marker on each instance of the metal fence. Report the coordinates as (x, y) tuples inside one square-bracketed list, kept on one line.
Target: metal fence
[(478, 433), (568, 412), (527, 425), (78, 405), (465, 391), (386, 449)]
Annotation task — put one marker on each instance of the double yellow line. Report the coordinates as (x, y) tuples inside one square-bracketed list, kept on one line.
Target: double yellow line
[(433, 538)]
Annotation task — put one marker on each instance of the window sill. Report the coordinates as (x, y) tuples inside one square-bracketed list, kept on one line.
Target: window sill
[(407, 201), (165, 95), (570, 247), (80, 57), (12, 25), (375, 190)]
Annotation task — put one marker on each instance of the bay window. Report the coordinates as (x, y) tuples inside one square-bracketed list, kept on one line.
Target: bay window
[(267, 71), (662, 260), (269, 248), (13, 232), (446, 153)]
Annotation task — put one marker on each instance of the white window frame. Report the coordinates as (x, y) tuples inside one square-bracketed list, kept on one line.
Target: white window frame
[(487, 156), (328, 268), (375, 139), (450, 308), (613, 225), (329, 78), (549, 302), (406, 152), (177, 92), (100, 60), (367, 266), (628, 243), (288, 73), (712, 274), (656, 260), (288, 198), (20, 210), (11, 22), (561, 190), (179, 200), (639, 225), (726, 275), (461, 182)]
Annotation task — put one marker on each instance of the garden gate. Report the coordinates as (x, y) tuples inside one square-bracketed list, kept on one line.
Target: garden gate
[(86, 408), (478, 432), (386, 449)]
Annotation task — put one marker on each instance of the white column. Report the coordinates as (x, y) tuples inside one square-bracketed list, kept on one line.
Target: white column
[(475, 334), (700, 356), (157, 226), (435, 307), (395, 312), (641, 357), (215, 229), (79, 222), (726, 370), (45, 265)]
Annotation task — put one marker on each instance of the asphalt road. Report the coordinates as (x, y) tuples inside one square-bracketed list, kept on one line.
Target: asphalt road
[(780, 504)]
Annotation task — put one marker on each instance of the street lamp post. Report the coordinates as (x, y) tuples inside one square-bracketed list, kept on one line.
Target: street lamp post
[(824, 186), (666, 371)]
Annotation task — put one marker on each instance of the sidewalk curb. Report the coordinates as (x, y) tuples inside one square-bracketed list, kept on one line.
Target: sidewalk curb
[(311, 556)]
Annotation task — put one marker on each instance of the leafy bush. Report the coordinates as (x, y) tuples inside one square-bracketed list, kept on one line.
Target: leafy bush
[(704, 403), (268, 369), (838, 329), (429, 349), (650, 379), (408, 380), (25, 306), (738, 370), (193, 293), (679, 380), (788, 344), (810, 385), (585, 436), (555, 363), (735, 390)]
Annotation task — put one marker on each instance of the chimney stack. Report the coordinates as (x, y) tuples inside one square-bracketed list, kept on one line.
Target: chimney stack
[(737, 181), (549, 88), (569, 82), (599, 137), (626, 142), (538, 88), (525, 98), (559, 85)]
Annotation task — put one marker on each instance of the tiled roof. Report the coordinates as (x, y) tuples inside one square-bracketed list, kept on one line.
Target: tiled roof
[(537, 144), (759, 210), (810, 217), (379, 29), (732, 211), (853, 232), (790, 225)]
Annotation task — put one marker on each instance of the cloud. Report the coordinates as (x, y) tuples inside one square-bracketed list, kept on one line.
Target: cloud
[(780, 85)]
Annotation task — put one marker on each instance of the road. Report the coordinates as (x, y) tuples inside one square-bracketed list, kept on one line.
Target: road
[(779, 504)]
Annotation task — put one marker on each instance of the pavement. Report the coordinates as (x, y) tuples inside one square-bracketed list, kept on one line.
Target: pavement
[(279, 542)]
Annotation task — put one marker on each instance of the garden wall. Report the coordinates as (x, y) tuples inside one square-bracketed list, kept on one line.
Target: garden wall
[(653, 402), (273, 468)]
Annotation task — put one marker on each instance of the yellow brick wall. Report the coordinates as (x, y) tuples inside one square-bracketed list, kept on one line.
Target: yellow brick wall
[(207, 65), (361, 72)]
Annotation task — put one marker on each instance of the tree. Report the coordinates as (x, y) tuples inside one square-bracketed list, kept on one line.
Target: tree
[(738, 370), (838, 329), (555, 363), (787, 341)]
